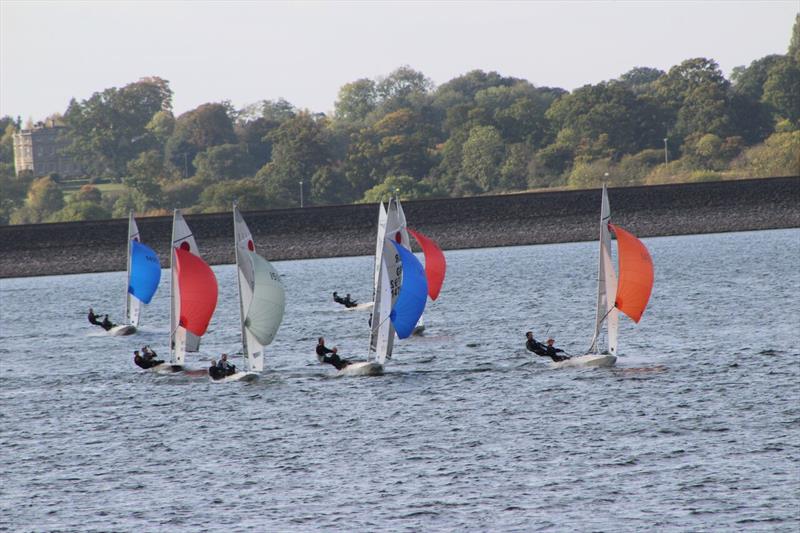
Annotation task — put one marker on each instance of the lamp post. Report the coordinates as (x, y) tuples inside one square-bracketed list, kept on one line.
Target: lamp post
[(301, 194), (666, 153)]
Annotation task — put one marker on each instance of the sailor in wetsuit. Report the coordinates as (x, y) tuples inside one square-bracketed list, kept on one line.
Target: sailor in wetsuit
[(545, 351), (106, 324), (346, 301), (553, 352), (148, 360), (93, 318), (226, 368), (333, 359)]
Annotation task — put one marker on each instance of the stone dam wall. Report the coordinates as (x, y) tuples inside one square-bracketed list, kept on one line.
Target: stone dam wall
[(476, 222)]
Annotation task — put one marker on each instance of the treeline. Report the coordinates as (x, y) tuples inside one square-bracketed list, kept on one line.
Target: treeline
[(478, 133)]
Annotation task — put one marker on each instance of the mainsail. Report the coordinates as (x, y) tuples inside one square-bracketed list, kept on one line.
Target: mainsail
[(262, 299), (393, 230), (606, 285)]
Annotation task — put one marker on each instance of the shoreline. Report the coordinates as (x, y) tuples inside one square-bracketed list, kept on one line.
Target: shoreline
[(455, 223)]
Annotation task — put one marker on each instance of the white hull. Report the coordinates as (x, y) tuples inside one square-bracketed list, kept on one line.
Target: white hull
[(166, 368), (119, 331), (238, 376), (588, 360), (363, 368), (360, 307)]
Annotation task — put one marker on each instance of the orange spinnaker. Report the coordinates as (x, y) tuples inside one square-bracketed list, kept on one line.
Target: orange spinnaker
[(635, 274), (435, 264), (198, 288)]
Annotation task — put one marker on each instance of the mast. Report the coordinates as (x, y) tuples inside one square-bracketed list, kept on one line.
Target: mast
[(239, 274), (606, 283), (175, 357), (132, 306)]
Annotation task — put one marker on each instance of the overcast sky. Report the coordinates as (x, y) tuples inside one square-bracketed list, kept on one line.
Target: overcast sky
[(305, 51)]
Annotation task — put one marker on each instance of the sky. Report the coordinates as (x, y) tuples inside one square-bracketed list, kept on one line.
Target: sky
[(304, 52)]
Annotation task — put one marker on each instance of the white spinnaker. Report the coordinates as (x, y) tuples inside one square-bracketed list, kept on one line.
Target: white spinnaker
[(262, 299), (606, 284), (133, 307), (383, 299), (181, 341)]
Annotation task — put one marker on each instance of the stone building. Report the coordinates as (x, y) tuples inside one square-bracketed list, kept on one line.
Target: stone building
[(39, 151)]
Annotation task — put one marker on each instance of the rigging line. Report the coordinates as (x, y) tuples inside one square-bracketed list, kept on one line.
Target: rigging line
[(601, 322)]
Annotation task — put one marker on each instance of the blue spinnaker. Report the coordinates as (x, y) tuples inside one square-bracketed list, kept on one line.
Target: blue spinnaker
[(413, 294), (145, 272)]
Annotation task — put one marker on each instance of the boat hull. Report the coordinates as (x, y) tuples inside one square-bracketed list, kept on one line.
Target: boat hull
[(119, 331), (238, 376), (363, 368), (588, 360), (166, 368)]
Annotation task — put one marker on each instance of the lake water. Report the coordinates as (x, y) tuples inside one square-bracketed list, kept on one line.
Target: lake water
[(697, 428)]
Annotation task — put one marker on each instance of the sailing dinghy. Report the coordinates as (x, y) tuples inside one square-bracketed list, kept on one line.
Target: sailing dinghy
[(262, 301), (192, 295), (629, 294), (143, 276), (400, 289)]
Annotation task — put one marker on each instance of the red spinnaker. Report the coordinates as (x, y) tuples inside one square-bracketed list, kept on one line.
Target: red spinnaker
[(635, 274), (198, 291), (435, 264)]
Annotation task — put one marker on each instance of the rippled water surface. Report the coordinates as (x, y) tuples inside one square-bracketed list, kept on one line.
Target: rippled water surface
[(697, 428)]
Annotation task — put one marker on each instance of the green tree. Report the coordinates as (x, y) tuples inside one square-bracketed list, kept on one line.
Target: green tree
[(143, 176), (299, 150), (782, 90), (109, 129), (44, 198), (794, 43), (195, 131), (223, 163), (247, 193), (483, 152), (406, 187), (356, 100)]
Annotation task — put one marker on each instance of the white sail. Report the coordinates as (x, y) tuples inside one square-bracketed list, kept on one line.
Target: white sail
[(606, 285), (181, 341), (383, 299), (379, 246), (394, 229), (133, 307), (262, 299)]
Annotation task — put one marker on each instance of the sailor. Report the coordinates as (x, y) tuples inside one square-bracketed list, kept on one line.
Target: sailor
[(149, 354), (553, 352), (146, 361), (93, 318), (106, 324), (348, 302), (225, 367), (534, 346), (333, 359), (338, 299), (214, 371)]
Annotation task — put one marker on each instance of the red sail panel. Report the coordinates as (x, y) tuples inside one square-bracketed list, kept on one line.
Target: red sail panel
[(198, 291), (435, 264), (635, 274)]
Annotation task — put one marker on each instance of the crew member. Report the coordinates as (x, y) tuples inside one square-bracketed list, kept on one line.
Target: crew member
[(534, 346), (106, 324), (226, 368), (553, 352), (333, 358), (93, 318)]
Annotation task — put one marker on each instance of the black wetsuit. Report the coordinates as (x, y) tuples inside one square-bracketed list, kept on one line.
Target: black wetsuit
[(347, 302), (333, 359), (553, 353), (93, 319), (226, 369), (536, 347), (146, 362), (106, 324)]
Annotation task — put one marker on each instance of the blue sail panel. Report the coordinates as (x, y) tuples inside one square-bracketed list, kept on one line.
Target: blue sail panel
[(413, 294), (145, 272)]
